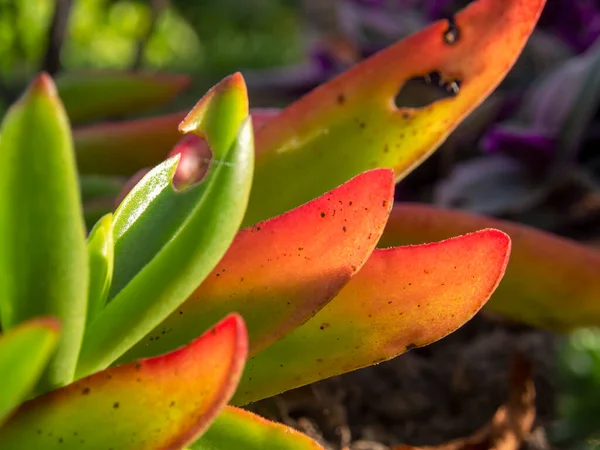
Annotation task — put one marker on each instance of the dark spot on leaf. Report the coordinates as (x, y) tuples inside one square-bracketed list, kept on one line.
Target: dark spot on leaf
[(411, 346), (349, 203), (171, 404), (116, 405), (341, 99), (180, 312), (384, 203), (344, 228), (323, 326), (386, 148), (85, 391), (138, 366), (390, 302), (319, 360), (362, 124), (322, 214), (452, 33)]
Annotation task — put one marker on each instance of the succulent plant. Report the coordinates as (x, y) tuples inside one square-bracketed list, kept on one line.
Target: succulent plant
[(110, 341)]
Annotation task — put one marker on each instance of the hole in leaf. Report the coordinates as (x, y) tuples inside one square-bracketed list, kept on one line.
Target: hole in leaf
[(194, 163), (419, 92)]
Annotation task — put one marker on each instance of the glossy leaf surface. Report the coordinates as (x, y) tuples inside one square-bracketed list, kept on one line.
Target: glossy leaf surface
[(89, 96), (236, 428), (351, 123), (24, 352), (43, 258), (153, 404), (101, 249), (402, 298), (550, 282), (168, 241), (280, 272)]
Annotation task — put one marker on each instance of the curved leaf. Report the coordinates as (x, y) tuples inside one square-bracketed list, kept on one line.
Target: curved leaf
[(235, 428), (101, 249), (402, 298), (94, 95), (154, 404), (278, 273), (351, 123), (43, 258), (168, 241), (122, 148), (550, 282), (24, 352)]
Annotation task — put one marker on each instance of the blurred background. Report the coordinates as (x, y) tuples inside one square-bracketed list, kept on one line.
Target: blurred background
[(530, 153)]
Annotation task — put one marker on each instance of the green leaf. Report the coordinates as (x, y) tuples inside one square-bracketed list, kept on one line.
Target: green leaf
[(95, 95), (235, 428), (43, 258), (101, 259), (168, 241), (24, 352)]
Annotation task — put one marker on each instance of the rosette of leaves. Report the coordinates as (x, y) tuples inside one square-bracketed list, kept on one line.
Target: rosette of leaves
[(110, 339)]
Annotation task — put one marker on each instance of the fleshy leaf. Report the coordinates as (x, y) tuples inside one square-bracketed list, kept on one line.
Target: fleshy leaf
[(154, 404), (236, 428), (280, 272), (122, 148), (43, 258), (351, 123), (24, 353), (168, 241), (101, 260), (550, 282), (403, 297), (89, 96)]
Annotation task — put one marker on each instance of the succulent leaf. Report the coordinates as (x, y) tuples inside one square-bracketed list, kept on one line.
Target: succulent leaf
[(94, 95), (101, 248), (168, 241), (154, 404), (351, 123), (237, 428), (24, 353), (43, 258), (403, 297), (280, 272), (550, 282)]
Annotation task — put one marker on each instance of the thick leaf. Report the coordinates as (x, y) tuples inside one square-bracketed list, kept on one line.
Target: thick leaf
[(168, 241), (89, 96), (101, 248), (278, 273), (153, 404), (43, 257), (351, 123), (121, 148), (24, 353), (403, 297), (236, 428), (550, 282)]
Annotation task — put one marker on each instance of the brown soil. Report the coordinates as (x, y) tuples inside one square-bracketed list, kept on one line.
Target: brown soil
[(427, 396)]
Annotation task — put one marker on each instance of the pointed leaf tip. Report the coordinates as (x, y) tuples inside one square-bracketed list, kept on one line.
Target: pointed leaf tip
[(278, 273), (153, 404), (402, 298), (43, 83), (233, 95)]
